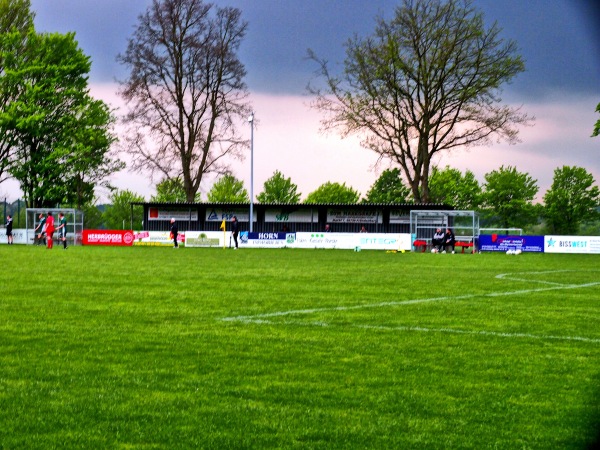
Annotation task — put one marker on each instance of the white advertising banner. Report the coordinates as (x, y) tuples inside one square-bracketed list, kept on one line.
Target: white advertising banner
[(384, 241), (353, 216), (218, 215), (363, 241), (572, 244), (156, 238), (205, 238), (347, 241), (278, 215), (155, 213), (19, 236)]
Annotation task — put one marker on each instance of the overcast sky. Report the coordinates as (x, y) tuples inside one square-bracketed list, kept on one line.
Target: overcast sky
[(559, 40)]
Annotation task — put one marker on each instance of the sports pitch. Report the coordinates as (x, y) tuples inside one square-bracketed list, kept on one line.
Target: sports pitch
[(157, 348)]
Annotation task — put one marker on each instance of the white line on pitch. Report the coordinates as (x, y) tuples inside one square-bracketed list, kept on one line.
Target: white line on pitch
[(343, 308), (505, 276), (553, 283), (399, 303), (427, 330), (482, 333)]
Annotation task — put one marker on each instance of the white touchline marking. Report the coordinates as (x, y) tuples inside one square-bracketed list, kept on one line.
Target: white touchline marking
[(342, 308), (556, 288), (404, 302), (426, 330), (483, 333), (534, 281), (505, 276), (262, 319)]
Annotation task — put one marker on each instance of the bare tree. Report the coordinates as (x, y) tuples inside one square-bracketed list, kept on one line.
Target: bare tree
[(427, 81), (185, 90)]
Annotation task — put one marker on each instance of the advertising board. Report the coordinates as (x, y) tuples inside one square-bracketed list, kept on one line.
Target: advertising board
[(285, 216), (108, 237), (19, 236), (156, 213), (218, 215), (398, 216), (369, 241), (156, 238), (572, 244), (267, 240), (353, 216), (204, 238), (501, 243)]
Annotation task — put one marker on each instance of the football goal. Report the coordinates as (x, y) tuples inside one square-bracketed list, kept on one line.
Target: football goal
[(74, 223)]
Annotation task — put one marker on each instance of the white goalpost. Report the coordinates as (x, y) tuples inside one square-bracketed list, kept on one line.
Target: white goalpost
[(74, 223)]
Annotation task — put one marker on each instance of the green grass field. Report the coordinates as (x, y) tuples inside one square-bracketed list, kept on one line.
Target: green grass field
[(155, 348)]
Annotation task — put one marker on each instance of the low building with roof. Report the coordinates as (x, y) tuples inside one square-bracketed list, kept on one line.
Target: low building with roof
[(301, 217)]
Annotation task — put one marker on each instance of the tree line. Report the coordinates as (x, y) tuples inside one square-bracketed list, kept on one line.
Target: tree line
[(427, 80), (55, 139)]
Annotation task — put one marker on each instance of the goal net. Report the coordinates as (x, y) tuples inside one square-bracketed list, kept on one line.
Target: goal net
[(74, 223)]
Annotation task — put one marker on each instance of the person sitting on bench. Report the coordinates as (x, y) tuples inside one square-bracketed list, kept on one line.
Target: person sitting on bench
[(449, 240), (438, 241)]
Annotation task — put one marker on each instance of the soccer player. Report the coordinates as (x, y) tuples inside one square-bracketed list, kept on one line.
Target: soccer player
[(49, 230), (42, 230), (9, 224), (235, 228), (62, 229), (174, 233)]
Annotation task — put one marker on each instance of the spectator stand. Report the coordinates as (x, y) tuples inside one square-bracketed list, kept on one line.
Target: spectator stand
[(465, 225)]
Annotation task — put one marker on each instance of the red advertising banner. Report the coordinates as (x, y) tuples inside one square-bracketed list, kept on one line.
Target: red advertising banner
[(108, 237)]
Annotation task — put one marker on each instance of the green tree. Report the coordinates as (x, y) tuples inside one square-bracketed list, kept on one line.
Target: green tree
[(15, 17), (388, 188), (333, 193), (117, 215), (60, 137), (279, 189), (228, 189), (170, 190), (508, 198), (427, 81), (449, 186), (571, 200), (92, 216), (597, 126), (185, 90)]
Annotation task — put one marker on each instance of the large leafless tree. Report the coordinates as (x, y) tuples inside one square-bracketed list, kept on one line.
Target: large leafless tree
[(425, 82), (185, 90)]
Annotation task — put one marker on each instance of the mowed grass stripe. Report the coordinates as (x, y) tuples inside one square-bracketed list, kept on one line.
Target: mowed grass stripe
[(125, 348)]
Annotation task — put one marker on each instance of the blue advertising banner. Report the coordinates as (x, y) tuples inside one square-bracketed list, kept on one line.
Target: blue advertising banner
[(266, 240), (500, 243)]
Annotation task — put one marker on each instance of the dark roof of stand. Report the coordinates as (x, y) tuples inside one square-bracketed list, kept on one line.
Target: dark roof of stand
[(435, 206)]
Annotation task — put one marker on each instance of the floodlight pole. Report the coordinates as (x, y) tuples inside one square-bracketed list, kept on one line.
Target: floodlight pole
[(251, 120)]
